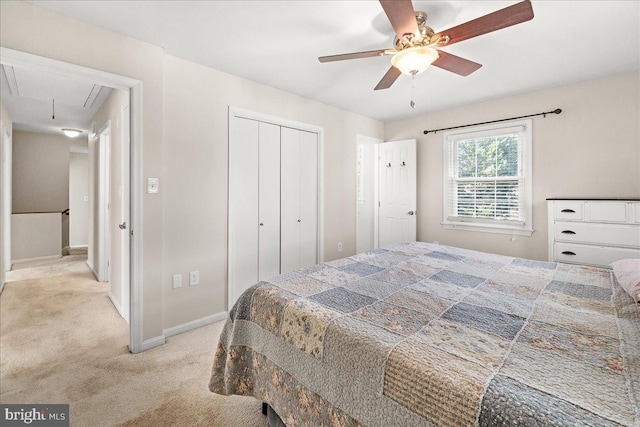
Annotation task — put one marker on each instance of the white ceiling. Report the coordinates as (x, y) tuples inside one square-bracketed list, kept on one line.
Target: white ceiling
[(29, 95), (277, 43)]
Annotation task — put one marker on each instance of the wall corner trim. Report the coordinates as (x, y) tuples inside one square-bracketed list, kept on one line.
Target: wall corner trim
[(175, 330)]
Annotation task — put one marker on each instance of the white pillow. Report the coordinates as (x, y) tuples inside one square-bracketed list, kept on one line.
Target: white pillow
[(627, 272)]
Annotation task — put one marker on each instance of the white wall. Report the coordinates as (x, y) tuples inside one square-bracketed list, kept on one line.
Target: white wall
[(40, 172), (5, 194), (78, 206), (592, 149), (195, 127)]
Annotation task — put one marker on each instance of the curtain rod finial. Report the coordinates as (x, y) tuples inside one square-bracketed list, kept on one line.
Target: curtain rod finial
[(557, 111)]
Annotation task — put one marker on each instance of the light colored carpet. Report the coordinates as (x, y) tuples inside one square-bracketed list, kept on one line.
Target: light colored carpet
[(62, 341)]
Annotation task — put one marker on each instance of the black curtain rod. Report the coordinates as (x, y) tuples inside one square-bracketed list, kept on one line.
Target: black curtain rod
[(556, 111)]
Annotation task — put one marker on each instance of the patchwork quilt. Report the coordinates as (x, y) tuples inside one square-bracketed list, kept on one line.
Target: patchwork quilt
[(420, 334)]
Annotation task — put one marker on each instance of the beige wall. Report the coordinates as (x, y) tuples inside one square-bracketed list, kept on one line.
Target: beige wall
[(36, 235), (40, 172), (31, 29), (5, 210), (78, 207), (196, 102), (592, 149)]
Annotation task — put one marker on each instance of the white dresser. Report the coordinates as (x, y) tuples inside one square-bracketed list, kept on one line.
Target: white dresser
[(593, 231)]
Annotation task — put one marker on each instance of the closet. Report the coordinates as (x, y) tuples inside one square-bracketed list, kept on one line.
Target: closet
[(273, 201)]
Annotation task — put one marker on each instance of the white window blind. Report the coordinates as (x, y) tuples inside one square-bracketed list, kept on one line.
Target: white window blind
[(487, 178)]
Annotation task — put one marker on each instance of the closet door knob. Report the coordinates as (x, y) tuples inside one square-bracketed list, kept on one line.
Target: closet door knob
[(261, 224), (299, 220), (411, 212)]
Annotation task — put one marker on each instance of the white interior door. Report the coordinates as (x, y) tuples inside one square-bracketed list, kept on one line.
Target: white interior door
[(290, 200), (104, 203), (366, 193), (397, 192), (124, 220), (243, 206), (269, 201)]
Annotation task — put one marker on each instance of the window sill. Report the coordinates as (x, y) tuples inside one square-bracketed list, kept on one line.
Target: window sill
[(488, 228)]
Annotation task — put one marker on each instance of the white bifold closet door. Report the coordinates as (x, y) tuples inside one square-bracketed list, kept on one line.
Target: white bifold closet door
[(243, 206), (273, 202), (268, 201), (298, 199)]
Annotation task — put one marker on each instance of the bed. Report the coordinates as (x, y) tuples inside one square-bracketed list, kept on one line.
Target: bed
[(420, 334)]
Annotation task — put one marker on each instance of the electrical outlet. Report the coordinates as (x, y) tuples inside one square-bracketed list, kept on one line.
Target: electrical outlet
[(194, 278), (177, 281), (152, 185), (340, 247)]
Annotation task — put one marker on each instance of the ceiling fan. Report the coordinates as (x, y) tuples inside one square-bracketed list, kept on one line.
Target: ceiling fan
[(416, 46)]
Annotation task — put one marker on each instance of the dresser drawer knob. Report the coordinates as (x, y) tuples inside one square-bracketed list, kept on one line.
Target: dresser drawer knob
[(568, 211), (568, 232), (568, 253)]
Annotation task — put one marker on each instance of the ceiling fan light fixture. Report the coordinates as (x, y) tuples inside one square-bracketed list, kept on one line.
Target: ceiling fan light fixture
[(414, 60), (72, 133)]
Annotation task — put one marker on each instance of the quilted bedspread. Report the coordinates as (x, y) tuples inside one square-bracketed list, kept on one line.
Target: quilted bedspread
[(420, 334)]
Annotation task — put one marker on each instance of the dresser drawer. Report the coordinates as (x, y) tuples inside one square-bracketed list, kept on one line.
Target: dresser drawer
[(567, 210), (606, 212), (604, 234), (601, 256)]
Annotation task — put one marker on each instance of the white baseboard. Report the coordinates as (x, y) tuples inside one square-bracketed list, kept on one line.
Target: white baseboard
[(93, 271), (175, 330), (116, 303), (153, 343)]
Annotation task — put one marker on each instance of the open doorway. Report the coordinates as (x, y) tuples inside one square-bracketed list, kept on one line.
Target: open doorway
[(125, 252)]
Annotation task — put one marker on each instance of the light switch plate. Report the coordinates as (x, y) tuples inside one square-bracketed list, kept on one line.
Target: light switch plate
[(152, 185)]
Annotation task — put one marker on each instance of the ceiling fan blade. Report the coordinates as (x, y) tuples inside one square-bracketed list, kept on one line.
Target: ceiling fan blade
[(401, 16), (455, 64), (503, 18), (389, 78), (354, 55)]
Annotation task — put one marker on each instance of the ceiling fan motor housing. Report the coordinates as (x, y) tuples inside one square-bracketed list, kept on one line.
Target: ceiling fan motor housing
[(411, 40)]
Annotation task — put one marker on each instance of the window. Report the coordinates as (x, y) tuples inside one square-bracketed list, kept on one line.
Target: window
[(487, 178)]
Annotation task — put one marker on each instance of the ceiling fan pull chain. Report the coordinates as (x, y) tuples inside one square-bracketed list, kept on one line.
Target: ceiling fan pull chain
[(413, 80)]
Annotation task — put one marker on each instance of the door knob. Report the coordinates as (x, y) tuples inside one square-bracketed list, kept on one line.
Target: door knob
[(123, 226), (261, 224), (299, 220), (411, 212)]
